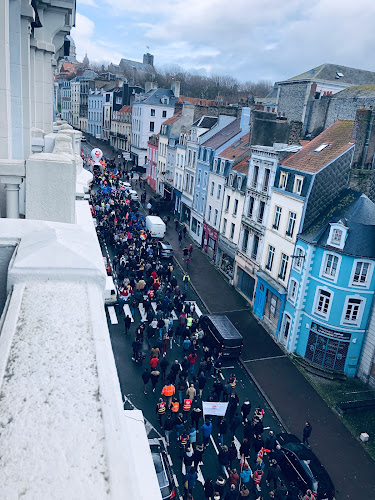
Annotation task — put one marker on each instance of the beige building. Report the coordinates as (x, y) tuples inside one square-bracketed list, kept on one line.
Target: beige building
[(121, 129)]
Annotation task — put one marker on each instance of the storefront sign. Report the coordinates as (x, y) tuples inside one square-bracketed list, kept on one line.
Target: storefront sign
[(330, 333)]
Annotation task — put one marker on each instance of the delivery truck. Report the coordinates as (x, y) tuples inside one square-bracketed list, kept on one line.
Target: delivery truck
[(156, 226)]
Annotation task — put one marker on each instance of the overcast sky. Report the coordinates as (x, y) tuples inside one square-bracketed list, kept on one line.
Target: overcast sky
[(247, 39)]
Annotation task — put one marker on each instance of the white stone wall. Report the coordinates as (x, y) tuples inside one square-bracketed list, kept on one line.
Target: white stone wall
[(366, 370)]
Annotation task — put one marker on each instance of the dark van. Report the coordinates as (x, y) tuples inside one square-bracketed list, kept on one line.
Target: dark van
[(222, 335)]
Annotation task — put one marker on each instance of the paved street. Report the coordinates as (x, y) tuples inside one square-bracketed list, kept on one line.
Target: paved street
[(265, 366)]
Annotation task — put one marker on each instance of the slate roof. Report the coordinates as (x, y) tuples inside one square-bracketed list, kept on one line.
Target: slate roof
[(358, 214), (205, 122), (328, 72), (237, 149), (242, 167), (154, 95), (224, 135), (338, 137)]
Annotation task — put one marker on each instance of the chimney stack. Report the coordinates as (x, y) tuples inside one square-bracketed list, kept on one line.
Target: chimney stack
[(175, 88), (150, 86)]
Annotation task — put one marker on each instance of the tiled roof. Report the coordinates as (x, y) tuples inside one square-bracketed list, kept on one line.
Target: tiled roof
[(197, 100), (333, 72), (338, 137), (126, 109), (243, 166), (224, 135), (358, 214), (173, 119), (238, 148), (67, 67)]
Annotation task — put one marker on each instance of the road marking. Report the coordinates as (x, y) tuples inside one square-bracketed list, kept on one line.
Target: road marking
[(217, 451), (154, 306), (200, 477), (183, 468), (197, 309), (265, 359), (227, 367), (222, 376), (174, 315), (112, 315), (127, 312), (142, 312), (175, 480), (170, 460)]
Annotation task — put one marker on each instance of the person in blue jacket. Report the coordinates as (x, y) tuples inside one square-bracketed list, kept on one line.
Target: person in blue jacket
[(206, 429)]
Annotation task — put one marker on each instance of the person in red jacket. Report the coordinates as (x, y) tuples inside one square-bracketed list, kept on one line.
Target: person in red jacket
[(154, 363)]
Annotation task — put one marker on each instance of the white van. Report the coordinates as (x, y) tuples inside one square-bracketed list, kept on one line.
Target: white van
[(110, 295), (156, 226)]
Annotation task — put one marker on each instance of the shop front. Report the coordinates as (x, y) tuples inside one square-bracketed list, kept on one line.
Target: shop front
[(225, 257), (327, 348), (269, 301), (196, 227), (185, 211), (245, 276), (210, 237), (177, 206)]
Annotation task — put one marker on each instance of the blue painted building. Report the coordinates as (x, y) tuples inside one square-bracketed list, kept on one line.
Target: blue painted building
[(331, 285), (95, 113)]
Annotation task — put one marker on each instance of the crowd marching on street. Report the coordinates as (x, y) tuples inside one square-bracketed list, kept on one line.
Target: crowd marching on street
[(194, 375)]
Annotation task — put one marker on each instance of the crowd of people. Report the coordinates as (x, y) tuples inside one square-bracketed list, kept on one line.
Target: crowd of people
[(144, 279)]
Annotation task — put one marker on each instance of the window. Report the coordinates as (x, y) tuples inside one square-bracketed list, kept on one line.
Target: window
[(298, 183), (152, 126), (361, 273), (276, 220), (283, 180), (205, 179), (323, 302), (330, 266), (251, 207), (222, 166), (204, 154), (224, 226), (352, 311), (235, 207), (270, 256), (286, 326), (254, 251), (118, 100), (196, 202), (232, 228), (152, 112), (215, 217), (266, 179), (261, 211), (227, 203), (283, 266), (209, 212), (164, 114), (199, 177), (292, 292), (245, 240), (212, 188), (218, 191), (291, 224), (298, 261), (107, 97), (255, 176), (336, 236), (320, 148)]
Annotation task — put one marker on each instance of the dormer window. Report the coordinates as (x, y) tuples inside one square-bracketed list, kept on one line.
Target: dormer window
[(283, 180), (164, 100), (337, 235)]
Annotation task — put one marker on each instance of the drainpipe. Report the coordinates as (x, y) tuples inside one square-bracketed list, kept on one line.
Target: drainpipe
[(368, 133)]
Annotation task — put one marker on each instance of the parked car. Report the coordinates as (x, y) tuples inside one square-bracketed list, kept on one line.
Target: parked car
[(83, 139), (166, 250), (125, 184), (301, 465), (163, 471), (133, 195)]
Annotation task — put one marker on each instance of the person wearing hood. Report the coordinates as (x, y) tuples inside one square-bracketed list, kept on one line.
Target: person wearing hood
[(193, 436), (270, 441), (209, 489), (220, 485), (198, 454), (245, 410)]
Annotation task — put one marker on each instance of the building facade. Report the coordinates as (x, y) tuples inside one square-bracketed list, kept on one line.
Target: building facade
[(306, 182), (95, 113), (66, 102), (75, 100), (331, 286), (152, 160), (120, 135), (86, 84)]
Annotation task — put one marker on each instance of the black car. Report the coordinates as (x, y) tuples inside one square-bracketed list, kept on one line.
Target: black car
[(301, 465), (163, 472)]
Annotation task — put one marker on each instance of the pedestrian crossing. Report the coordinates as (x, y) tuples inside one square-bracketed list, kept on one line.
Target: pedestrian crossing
[(114, 320)]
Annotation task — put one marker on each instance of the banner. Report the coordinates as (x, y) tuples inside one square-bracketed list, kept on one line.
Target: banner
[(214, 408)]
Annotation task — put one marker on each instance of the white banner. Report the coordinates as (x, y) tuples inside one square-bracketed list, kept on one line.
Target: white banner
[(214, 408)]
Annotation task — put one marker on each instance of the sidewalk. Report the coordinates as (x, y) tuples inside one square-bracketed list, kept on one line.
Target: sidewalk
[(294, 399)]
